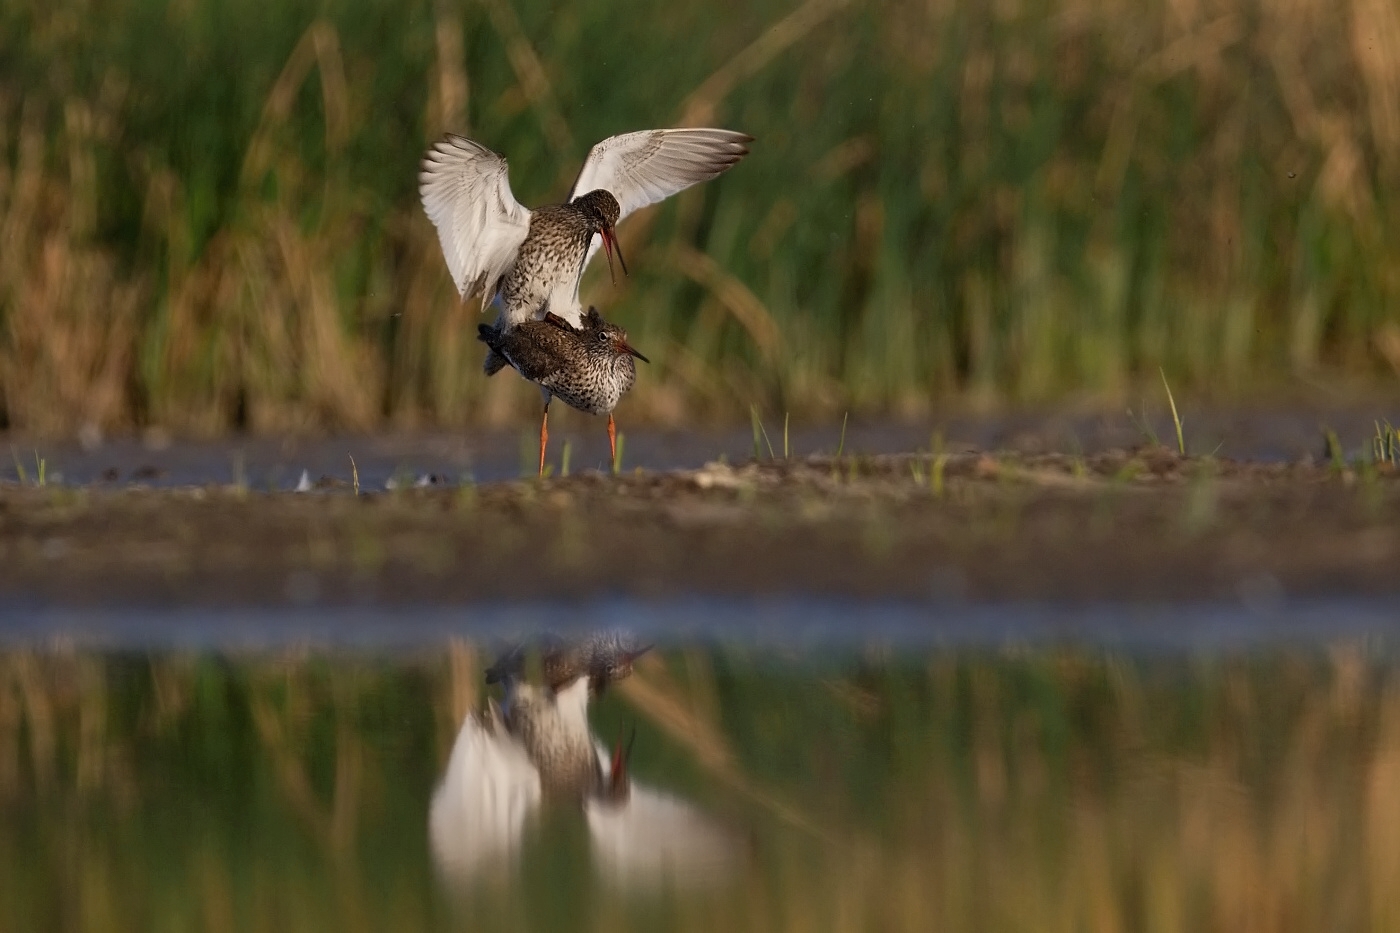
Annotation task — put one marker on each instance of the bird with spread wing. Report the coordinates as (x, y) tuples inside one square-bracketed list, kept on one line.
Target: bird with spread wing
[(530, 262)]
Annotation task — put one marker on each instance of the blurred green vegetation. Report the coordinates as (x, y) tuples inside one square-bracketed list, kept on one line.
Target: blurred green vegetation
[(997, 790), (210, 220)]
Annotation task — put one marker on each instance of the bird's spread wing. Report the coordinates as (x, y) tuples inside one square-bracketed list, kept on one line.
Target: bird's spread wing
[(478, 812), (651, 165), (655, 840), (466, 194)]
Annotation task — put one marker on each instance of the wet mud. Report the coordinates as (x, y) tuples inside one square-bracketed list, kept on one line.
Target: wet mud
[(965, 526)]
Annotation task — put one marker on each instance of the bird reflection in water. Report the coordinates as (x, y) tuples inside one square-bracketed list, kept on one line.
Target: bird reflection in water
[(533, 752)]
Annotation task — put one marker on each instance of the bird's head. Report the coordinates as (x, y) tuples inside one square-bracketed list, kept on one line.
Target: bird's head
[(602, 211), (614, 339)]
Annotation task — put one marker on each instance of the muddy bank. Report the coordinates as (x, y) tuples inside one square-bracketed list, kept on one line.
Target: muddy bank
[(1139, 525), (1277, 433)]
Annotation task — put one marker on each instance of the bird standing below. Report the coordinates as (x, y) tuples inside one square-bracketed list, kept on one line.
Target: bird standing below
[(528, 261), (605, 656), (589, 366)]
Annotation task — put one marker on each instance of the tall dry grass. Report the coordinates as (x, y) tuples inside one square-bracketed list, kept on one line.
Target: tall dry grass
[(210, 221)]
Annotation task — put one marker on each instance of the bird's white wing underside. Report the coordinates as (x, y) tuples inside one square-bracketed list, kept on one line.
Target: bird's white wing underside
[(466, 193), (651, 165), (479, 810), (657, 840)]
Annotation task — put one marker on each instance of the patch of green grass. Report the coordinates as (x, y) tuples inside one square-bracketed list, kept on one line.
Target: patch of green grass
[(1336, 456), (1128, 472), (41, 477), (1385, 445), (935, 479)]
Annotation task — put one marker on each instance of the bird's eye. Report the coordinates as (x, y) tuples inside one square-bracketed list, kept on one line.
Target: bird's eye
[(602, 337)]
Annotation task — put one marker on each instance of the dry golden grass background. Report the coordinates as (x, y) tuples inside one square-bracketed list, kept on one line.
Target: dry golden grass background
[(210, 221)]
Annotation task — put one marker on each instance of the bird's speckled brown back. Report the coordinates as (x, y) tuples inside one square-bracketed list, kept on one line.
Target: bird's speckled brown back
[(583, 366)]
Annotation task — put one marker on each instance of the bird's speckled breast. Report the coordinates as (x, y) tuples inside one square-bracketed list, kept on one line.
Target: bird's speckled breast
[(556, 737), (547, 267), (596, 386)]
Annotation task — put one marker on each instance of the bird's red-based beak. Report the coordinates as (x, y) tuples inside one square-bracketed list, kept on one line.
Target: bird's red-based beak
[(624, 347), (610, 246), (621, 756), (619, 764)]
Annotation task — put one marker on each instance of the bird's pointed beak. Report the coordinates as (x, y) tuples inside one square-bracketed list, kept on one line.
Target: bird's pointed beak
[(624, 347), (610, 246), (622, 756)]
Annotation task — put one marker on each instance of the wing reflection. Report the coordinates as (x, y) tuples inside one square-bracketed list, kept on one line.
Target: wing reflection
[(655, 840), (479, 810), (506, 765)]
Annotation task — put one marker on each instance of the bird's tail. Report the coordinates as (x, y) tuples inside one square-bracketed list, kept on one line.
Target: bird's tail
[(491, 336), (509, 666), (493, 363)]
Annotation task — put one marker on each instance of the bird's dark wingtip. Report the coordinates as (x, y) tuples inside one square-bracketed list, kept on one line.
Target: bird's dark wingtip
[(553, 319), (509, 665)]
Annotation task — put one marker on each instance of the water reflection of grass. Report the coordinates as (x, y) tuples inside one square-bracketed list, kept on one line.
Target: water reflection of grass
[(209, 215), (1008, 791)]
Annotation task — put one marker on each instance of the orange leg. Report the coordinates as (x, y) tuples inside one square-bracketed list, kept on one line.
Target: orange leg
[(612, 440), (544, 435)]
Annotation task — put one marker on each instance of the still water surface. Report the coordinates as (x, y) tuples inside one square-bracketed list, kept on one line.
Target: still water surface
[(996, 785)]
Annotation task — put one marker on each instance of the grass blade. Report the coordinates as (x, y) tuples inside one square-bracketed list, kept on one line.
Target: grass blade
[(759, 433), (753, 417), (1176, 419)]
